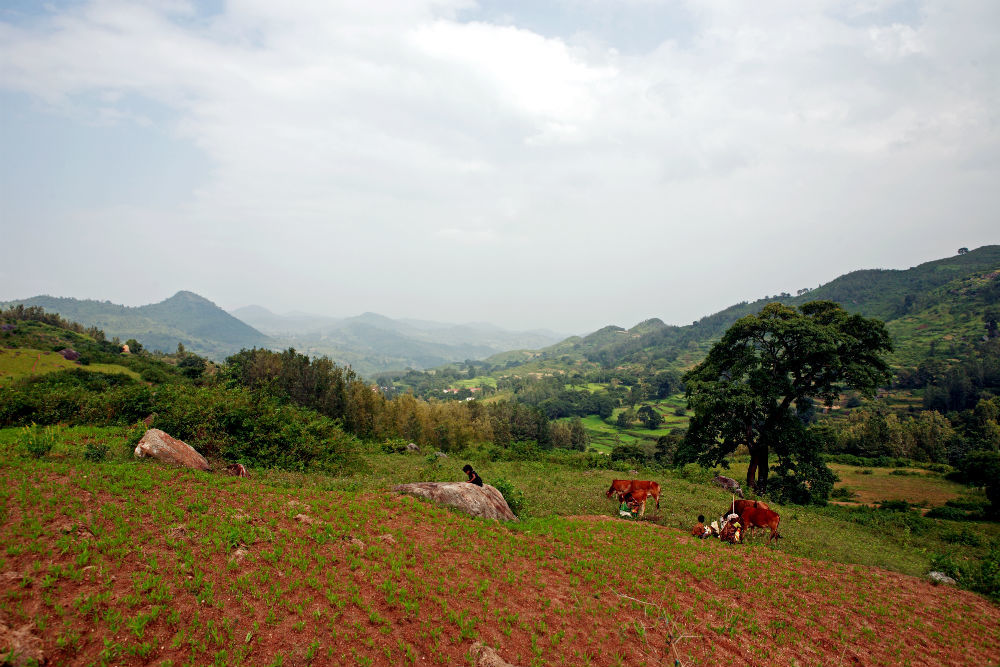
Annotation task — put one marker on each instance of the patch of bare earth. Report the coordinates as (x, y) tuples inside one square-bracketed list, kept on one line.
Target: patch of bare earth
[(387, 580)]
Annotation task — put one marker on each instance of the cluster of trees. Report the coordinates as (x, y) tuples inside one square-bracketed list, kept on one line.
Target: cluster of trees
[(365, 411), (951, 385), (927, 436)]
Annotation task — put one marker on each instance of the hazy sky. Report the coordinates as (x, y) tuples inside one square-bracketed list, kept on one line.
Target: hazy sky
[(563, 164)]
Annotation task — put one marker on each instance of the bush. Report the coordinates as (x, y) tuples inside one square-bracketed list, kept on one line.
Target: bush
[(843, 493), (95, 451), (510, 493), (629, 453), (946, 563), (947, 513), (981, 576), (964, 536), (38, 441), (394, 446), (895, 505)]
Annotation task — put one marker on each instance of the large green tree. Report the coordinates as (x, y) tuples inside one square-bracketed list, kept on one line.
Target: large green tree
[(746, 390)]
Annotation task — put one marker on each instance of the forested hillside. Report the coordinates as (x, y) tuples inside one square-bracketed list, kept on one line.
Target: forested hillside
[(185, 318)]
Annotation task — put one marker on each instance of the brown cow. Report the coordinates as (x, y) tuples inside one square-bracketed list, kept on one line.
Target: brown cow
[(761, 517), (740, 505), (635, 487)]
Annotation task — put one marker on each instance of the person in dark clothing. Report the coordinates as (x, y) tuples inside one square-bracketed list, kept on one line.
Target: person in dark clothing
[(474, 477)]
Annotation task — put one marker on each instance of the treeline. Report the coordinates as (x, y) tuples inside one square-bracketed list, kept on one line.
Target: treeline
[(235, 424), (366, 412), (23, 313), (927, 436), (950, 385)]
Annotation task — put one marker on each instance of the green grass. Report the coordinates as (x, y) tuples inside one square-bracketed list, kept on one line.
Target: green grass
[(478, 381), (24, 362)]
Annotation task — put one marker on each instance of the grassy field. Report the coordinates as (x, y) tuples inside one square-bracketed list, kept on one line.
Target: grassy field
[(918, 487), (15, 364), (127, 562), (604, 435)]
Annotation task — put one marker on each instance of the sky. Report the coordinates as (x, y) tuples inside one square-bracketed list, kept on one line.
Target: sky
[(560, 164)]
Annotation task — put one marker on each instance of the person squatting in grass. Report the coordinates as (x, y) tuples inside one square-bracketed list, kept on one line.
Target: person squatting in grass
[(700, 530), (474, 477)]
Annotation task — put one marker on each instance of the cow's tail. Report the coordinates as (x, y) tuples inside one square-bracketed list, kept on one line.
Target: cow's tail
[(657, 495)]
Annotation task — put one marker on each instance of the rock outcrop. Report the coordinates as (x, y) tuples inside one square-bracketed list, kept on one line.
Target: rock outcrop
[(942, 578), (729, 484), (484, 656), (482, 501), (20, 646), (162, 447)]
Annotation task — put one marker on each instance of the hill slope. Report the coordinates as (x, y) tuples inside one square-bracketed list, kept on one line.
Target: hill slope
[(279, 569), (187, 318), (921, 292)]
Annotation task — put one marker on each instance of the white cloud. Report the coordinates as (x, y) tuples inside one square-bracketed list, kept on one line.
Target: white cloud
[(340, 134)]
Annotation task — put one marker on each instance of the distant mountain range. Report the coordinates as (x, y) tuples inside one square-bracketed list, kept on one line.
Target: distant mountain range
[(943, 300), (187, 318), (372, 343)]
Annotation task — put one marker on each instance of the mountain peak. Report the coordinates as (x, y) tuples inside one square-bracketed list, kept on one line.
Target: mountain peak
[(185, 295)]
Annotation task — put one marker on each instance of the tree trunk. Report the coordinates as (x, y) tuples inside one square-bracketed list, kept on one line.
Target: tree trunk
[(757, 470), (752, 473), (762, 470)]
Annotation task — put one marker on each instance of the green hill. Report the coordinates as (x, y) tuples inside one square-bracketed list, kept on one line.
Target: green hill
[(928, 294), (187, 318)]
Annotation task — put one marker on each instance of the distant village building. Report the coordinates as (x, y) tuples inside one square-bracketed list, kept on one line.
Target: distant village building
[(125, 349)]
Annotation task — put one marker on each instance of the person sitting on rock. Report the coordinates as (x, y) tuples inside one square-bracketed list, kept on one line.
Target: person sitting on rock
[(474, 477)]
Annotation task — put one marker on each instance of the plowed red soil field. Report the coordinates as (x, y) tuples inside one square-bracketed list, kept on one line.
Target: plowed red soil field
[(138, 565)]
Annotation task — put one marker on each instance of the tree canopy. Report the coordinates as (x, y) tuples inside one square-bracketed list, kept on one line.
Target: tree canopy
[(766, 368)]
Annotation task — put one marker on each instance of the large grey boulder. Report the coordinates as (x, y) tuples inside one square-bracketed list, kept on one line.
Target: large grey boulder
[(482, 501), (942, 578), (162, 447)]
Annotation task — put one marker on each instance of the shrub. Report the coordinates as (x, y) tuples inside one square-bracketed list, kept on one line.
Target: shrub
[(964, 536), (981, 576), (946, 563), (394, 446), (895, 505), (630, 453), (843, 493), (510, 493), (38, 441), (947, 513), (95, 451)]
